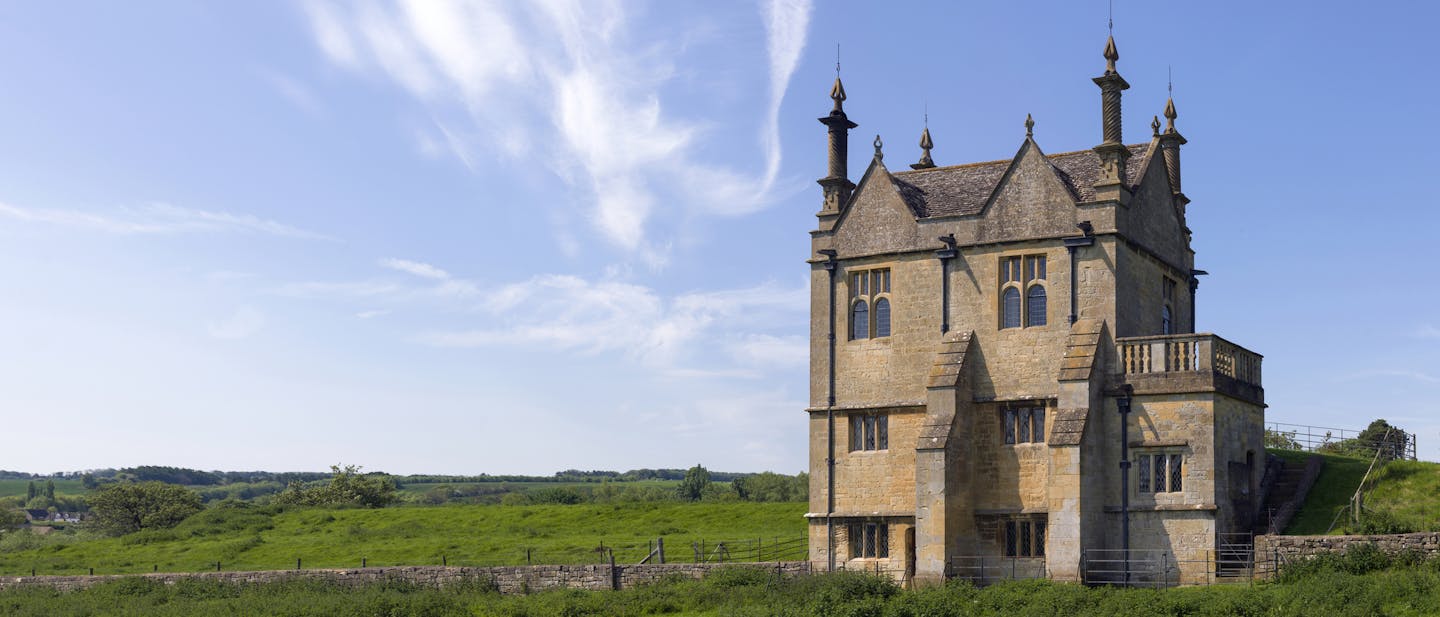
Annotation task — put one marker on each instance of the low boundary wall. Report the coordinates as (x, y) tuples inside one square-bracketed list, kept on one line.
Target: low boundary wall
[(508, 579), (1270, 550)]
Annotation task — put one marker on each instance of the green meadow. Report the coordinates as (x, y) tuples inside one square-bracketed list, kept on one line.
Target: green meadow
[(252, 537)]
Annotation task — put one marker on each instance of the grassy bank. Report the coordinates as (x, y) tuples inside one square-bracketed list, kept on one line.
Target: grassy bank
[(1331, 590), (1339, 477), (268, 538), (1401, 496)]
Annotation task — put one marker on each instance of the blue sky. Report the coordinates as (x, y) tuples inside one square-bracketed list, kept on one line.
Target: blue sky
[(523, 237)]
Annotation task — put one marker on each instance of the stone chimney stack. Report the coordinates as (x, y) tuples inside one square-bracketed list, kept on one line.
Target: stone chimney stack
[(1170, 142), (1113, 153), (837, 184)]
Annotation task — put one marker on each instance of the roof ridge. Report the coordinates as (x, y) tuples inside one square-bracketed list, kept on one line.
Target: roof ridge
[(912, 172)]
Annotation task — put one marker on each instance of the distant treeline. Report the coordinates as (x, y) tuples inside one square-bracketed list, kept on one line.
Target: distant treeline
[(571, 476), (197, 477)]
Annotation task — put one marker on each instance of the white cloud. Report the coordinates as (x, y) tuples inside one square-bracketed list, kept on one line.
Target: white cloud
[(157, 218), (1428, 331), (371, 314), (765, 350), (565, 83), (568, 313), (416, 268), (243, 323)]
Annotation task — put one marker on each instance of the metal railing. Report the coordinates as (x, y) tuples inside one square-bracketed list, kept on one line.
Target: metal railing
[(983, 570), (1232, 561), (1172, 353), (1397, 445)]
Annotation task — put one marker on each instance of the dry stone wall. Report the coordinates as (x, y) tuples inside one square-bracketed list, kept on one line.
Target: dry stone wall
[(508, 580), (1270, 550)]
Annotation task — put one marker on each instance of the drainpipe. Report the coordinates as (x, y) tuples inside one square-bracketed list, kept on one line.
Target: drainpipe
[(945, 255), (1124, 404), (1194, 283), (831, 264), (1071, 246)]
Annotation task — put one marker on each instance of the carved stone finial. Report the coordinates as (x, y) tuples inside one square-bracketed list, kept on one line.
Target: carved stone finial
[(1170, 115), (837, 93), (1155, 126), (878, 145), (1029, 126), (925, 145), (1111, 55)]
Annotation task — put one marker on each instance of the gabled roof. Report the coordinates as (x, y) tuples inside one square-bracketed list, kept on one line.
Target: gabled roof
[(962, 190)]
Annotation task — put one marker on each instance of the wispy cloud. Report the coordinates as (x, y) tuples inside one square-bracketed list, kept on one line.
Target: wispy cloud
[(291, 89), (416, 268), (569, 313), (1427, 331), (371, 314), (243, 323), (157, 218), (770, 351), (577, 85), (357, 289), (1395, 373)]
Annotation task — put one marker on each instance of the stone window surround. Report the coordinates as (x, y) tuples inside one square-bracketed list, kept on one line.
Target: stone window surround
[(872, 424), (878, 544), (870, 297), (1022, 283), (1002, 415), (1143, 484)]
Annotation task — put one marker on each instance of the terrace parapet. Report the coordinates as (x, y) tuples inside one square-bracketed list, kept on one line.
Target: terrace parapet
[(1185, 363)]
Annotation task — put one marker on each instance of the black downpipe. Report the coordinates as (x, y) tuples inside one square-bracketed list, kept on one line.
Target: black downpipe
[(831, 264), (945, 255), (1194, 283), (1124, 404)]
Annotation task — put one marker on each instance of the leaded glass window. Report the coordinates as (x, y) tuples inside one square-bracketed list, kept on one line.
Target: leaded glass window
[(860, 320), (1011, 308), (1035, 306)]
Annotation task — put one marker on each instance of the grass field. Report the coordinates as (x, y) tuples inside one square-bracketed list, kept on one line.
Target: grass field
[(264, 538), (1331, 591), (10, 488)]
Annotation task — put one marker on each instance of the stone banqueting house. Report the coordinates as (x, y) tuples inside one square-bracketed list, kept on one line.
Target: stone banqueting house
[(976, 331)]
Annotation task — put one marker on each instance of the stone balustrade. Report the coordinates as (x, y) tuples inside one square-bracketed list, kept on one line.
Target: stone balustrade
[(1177, 353)]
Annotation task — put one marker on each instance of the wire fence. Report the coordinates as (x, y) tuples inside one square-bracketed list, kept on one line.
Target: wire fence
[(657, 550)]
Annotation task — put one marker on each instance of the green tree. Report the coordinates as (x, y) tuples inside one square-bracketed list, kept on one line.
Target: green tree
[(1276, 439), (50, 490), (693, 486), (11, 519), (119, 509), (346, 487), (30, 491)]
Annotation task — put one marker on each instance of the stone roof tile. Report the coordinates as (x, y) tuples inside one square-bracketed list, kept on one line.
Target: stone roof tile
[(963, 190)]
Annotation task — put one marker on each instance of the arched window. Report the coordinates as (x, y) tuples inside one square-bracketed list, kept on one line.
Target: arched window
[(882, 317), (1011, 305), (1166, 327), (860, 320), (1035, 306)]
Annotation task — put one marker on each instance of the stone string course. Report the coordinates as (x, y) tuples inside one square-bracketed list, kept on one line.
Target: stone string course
[(508, 579), (1270, 549)]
